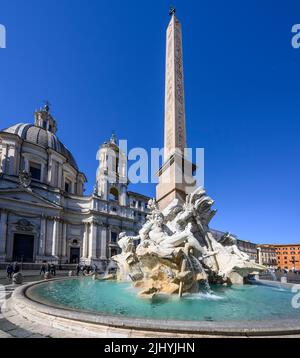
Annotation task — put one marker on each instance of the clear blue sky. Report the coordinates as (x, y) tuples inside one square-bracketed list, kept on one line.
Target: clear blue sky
[(101, 65)]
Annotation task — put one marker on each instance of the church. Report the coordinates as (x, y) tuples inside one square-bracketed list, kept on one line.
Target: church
[(45, 215)]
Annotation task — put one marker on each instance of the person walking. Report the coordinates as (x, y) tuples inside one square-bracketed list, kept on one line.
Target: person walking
[(9, 271), (53, 270), (16, 267), (43, 269)]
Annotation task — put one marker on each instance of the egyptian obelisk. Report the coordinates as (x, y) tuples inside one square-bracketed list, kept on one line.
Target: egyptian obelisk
[(175, 175)]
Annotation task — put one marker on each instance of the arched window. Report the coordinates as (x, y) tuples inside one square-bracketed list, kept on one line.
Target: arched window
[(113, 194)]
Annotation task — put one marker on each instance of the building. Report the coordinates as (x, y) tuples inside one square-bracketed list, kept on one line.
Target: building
[(248, 248), (267, 255), (288, 256), (45, 215)]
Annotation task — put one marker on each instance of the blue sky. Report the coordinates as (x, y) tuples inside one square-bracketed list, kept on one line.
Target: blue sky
[(101, 65)]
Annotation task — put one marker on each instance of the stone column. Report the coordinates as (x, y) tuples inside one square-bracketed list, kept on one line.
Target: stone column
[(4, 159), (93, 240), (3, 233), (55, 237), (64, 240), (27, 168), (12, 158), (105, 187), (43, 167), (259, 256), (123, 196), (42, 244), (60, 183), (103, 242), (85, 241)]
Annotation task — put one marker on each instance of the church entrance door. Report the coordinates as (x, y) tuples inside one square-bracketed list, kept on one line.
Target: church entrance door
[(74, 255), (23, 248)]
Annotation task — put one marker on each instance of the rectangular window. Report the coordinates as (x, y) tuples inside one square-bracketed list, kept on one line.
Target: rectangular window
[(67, 186), (35, 170), (114, 237)]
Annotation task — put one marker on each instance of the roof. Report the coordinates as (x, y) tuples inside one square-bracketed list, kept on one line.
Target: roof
[(284, 245), (43, 138), (131, 193)]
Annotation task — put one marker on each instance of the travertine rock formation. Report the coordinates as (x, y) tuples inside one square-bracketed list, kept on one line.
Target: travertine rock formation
[(175, 252)]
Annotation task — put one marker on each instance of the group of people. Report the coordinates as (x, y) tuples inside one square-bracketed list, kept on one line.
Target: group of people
[(285, 270), (85, 269), (12, 269), (51, 268)]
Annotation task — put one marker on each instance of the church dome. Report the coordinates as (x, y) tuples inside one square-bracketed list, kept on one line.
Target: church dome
[(44, 138)]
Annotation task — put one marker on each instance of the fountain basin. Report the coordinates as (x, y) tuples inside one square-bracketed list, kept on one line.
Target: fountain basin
[(112, 308)]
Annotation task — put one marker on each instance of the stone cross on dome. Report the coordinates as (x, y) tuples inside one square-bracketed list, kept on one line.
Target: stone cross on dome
[(172, 10), (113, 138), (47, 106)]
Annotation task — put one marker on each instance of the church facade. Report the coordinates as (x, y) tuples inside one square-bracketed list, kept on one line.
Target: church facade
[(45, 215)]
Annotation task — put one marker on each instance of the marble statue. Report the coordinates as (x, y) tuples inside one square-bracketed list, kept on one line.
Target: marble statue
[(175, 252)]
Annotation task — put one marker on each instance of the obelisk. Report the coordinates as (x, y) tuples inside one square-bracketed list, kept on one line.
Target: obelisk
[(175, 176)]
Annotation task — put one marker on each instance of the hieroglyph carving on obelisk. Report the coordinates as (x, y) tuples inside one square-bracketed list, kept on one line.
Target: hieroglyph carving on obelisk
[(175, 132)]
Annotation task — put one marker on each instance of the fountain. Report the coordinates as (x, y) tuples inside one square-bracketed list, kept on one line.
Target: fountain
[(176, 251), (174, 276), (190, 279)]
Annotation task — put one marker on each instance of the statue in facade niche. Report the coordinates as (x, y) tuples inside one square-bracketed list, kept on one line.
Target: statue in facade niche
[(25, 179), (175, 251)]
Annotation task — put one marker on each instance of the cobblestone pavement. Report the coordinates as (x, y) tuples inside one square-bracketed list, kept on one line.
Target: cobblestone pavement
[(12, 325)]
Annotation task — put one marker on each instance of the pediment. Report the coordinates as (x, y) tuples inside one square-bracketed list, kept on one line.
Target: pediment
[(27, 197)]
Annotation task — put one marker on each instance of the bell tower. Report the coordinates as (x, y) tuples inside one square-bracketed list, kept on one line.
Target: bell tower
[(111, 174)]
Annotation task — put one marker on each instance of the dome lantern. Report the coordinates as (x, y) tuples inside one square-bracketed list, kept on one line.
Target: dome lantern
[(44, 119)]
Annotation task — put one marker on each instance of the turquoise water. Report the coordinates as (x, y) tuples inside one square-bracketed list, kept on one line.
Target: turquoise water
[(247, 302)]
